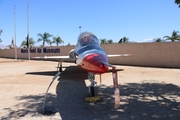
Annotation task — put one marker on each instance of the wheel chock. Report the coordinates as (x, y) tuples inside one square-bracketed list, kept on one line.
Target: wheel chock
[(92, 99)]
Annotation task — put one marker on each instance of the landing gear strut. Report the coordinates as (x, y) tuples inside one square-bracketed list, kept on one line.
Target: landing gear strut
[(116, 88), (91, 78)]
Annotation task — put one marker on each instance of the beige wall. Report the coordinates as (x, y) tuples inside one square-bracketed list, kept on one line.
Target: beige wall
[(147, 54), (166, 54), (10, 53)]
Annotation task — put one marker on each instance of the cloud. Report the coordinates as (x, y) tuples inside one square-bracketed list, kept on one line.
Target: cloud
[(148, 40)]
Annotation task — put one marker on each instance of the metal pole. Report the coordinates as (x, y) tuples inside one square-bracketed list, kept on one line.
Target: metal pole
[(28, 29), (0, 34), (15, 31)]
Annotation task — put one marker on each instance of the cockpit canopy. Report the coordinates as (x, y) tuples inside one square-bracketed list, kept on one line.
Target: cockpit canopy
[(87, 38)]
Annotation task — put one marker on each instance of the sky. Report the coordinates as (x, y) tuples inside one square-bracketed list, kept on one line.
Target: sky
[(138, 20)]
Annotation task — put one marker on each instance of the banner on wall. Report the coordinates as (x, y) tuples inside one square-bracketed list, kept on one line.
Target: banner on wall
[(41, 50)]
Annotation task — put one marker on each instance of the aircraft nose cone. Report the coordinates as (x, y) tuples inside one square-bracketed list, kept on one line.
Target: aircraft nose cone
[(94, 63)]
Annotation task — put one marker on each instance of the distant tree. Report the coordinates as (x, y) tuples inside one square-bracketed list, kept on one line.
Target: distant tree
[(177, 2), (125, 40), (110, 41), (103, 41), (45, 38), (68, 44), (57, 40), (24, 43), (10, 46), (157, 40), (173, 37)]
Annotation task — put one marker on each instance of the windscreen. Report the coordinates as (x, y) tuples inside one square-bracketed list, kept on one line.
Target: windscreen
[(91, 39)]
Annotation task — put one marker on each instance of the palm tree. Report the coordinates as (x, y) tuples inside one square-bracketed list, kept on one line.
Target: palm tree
[(158, 40), (57, 40), (24, 43), (177, 2), (173, 37), (44, 37), (50, 42), (103, 41)]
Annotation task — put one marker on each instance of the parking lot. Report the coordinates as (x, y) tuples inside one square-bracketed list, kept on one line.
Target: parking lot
[(146, 93)]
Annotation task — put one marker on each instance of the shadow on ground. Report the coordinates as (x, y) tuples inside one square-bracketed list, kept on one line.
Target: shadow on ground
[(139, 101), (44, 73)]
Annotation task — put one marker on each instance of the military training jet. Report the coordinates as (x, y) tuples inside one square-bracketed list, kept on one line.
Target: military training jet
[(90, 56)]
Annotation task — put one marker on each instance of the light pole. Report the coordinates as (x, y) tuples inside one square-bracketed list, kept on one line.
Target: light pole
[(0, 34), (15, 52), (28, 47), (80, 29)]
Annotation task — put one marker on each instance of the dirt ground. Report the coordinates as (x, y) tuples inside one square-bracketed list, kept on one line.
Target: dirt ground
[(146, 93)]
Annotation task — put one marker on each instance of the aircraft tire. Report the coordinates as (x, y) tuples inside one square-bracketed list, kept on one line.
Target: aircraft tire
[(92, 91), (60, 69)]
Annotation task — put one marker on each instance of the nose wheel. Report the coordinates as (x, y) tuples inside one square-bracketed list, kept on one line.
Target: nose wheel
[(91, 97), (91, 92), (91, 77)]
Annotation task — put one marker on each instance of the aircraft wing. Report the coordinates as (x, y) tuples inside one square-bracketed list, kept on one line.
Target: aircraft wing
[(55, 57), (119, 55), (61, 57)]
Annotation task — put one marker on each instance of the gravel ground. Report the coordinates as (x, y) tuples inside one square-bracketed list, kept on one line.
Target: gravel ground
[(146, 93)]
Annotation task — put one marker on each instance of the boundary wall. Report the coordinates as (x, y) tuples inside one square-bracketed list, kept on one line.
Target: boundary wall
[(162, 54)]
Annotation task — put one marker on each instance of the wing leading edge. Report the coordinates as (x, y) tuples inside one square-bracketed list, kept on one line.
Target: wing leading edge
[(119, 55), (55, 57), (61, 57)]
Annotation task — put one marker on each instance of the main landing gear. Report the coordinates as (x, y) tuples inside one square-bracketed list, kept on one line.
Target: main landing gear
[(92, 97), (116, 88), (59, 67)]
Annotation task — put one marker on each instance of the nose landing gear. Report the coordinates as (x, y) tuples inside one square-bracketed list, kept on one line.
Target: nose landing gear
[(92, 97)]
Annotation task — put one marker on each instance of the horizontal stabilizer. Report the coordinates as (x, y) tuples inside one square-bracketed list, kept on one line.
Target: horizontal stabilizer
[(118, 55), (48, 57)]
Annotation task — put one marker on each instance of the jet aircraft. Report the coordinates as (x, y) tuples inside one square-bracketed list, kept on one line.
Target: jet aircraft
[(90, 56)]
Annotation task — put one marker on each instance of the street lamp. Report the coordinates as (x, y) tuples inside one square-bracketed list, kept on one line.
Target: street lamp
[(80, 29)]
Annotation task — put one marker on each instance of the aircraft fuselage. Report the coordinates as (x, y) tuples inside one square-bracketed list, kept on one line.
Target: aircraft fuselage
[(90, 55)]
